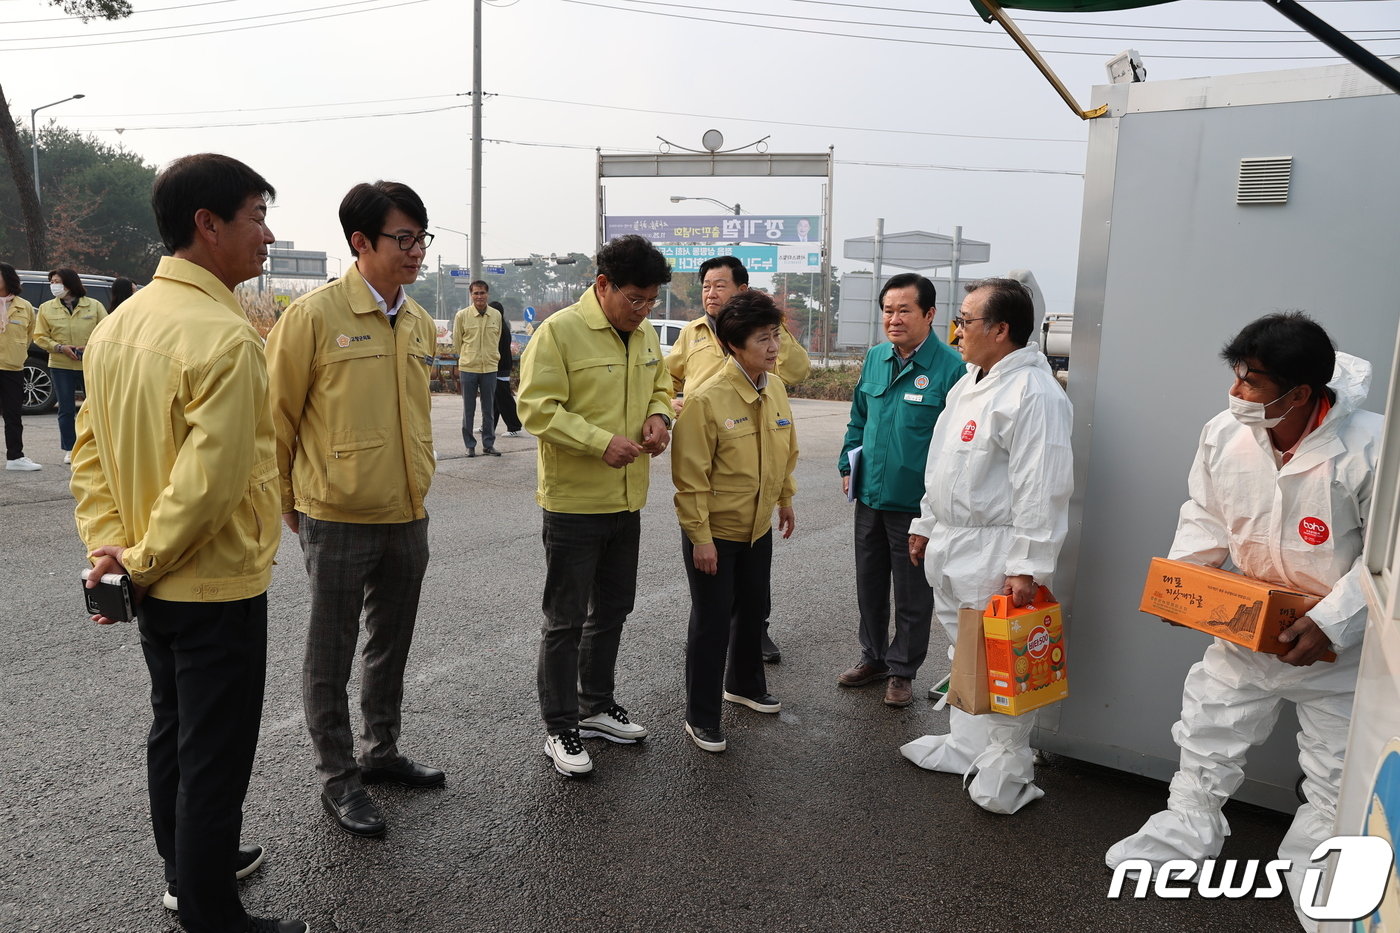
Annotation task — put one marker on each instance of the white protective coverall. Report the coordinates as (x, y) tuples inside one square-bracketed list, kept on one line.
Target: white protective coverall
[(996, 504), (1300, 525)]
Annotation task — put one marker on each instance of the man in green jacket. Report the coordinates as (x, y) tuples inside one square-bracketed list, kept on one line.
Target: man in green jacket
[(893, 411)]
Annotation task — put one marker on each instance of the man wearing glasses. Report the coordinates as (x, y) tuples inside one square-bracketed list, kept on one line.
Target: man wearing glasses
[(594, 390), (994, 515), (349, 366)]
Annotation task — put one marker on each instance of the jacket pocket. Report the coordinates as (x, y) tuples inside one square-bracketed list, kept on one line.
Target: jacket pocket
[(357, 471)]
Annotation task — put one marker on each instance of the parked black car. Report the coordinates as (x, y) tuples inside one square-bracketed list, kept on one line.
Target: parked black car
[(39, 396)]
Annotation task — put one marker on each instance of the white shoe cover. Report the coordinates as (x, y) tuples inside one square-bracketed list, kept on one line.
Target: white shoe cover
[(1168, 834), (952, 753), (1002, 777)]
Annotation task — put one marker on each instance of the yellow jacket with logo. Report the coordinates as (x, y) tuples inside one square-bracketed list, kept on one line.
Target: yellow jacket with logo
[(16, 334), (579, 386), (732, 458), (351, 403), (476, 339), (56, 327), (696, 356), (175, 457)]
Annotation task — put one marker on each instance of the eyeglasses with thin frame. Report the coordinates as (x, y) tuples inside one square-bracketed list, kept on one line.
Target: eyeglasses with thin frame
[(1243, 372), (961, 322), (406, 240), (639, 303)]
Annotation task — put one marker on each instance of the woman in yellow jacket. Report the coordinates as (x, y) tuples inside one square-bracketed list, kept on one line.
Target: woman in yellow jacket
[(16, 332), (65, 324), (732, 457)]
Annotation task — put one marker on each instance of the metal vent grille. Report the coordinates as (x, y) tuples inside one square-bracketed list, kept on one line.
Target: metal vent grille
[(1264, 181)]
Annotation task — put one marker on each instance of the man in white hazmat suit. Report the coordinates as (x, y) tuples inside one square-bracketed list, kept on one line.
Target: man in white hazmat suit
[(1281, 487), (993, 517)]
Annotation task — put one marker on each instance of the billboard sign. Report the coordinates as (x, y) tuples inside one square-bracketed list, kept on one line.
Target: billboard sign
[(743, 228), (756, 259)]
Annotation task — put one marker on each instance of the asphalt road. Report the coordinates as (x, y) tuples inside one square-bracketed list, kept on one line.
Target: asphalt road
[(811, 821)]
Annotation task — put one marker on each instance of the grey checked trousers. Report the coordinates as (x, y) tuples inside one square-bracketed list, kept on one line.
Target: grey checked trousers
[(378, 569)]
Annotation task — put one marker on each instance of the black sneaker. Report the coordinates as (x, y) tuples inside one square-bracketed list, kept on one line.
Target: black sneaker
[(711, 740), (250, 859), (271, 925), (490, 451)]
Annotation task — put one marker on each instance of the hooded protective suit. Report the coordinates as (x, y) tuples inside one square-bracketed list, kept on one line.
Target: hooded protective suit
[(996, 504), (1300, 525)]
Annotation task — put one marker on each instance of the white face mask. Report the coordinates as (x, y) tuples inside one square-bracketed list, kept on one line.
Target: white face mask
[(1252, 413), (57, 290)]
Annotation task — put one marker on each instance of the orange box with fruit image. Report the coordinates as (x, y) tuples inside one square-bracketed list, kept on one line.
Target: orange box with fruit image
[(1025, 654)]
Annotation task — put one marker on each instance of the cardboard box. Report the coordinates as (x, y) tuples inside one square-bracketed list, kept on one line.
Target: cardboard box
[(1025, 654), (1229, 606)]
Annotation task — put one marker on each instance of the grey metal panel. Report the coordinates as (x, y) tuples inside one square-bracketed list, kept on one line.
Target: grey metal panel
[(1170, 267)]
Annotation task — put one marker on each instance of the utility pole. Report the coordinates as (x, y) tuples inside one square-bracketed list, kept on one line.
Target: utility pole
[(476, 141)]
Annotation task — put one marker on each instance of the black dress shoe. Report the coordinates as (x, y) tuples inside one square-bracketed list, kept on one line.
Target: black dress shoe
[(491, 451), (355, 812), (405, 771), (771, 654), (471, 452)]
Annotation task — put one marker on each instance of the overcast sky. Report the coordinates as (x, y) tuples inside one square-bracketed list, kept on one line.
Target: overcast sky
[(934, 89)]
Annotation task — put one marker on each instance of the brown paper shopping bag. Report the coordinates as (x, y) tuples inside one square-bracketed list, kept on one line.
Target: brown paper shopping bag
[(967, 685)]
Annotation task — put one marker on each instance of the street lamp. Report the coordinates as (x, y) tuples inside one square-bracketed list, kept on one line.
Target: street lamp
[(460, 234), (34, 137), (676, 199)]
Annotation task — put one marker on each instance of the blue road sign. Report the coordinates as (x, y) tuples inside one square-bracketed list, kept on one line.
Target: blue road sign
[(496, 270), (529, 314), (456, 272)]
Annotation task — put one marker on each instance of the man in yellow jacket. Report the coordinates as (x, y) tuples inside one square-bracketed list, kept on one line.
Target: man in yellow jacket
[(476, 339), (594, 390), (697, 355), (175, 476), (349, 366)]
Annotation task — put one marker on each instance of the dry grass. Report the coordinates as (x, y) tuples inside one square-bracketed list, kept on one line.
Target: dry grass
[(836, 383), (261, 307)]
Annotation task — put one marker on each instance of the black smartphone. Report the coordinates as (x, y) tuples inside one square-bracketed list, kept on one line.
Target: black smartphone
[(111, 597)]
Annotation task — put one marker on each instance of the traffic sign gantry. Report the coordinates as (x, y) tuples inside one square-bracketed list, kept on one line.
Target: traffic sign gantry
[(916, 249)]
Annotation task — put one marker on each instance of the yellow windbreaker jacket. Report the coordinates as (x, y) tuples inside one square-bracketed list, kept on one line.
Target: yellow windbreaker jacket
[(175, 456), (732, 458), (696, 356), (16, 334), (476, 339), (56, 327), (352, 406), (579, 385)]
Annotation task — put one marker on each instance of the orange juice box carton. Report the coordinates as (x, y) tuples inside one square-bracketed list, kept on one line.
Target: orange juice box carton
[(1227, 605), (1025, 654)]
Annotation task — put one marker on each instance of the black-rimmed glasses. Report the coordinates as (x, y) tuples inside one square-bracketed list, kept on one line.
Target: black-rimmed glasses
[(406, 240)]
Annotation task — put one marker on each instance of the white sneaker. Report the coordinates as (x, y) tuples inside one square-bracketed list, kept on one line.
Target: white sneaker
[(614, 725), (515, 434), (567, 752), (23, 463), (68, 456)]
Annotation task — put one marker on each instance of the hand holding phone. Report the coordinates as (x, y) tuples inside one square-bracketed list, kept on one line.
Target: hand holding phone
[(111, 599)]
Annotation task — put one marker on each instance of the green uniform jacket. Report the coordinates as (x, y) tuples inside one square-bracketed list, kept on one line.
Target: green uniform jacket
[(894, 422)]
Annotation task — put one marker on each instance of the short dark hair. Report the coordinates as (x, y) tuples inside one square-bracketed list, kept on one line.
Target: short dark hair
[(70, 281), (10, 277), (482, 282), (743, 314), (632, 260), (1008, 302), (497, 305), (1293, 349), (122, 289), (927, 294), (736, 268), (365, 206), (206, 181)]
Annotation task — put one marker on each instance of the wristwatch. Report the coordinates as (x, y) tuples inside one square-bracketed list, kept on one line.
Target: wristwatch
[(665, 418)]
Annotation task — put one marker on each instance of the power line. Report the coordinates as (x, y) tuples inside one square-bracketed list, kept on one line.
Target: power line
[(344, 103), (212, 32), (927, 42), (948, 29), (818, 126), (164, 9), (289, 120)]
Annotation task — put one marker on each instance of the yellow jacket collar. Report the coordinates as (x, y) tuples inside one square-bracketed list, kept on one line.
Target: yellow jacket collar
[(362, 300), (592, 310), (193, 274), (740, 380)]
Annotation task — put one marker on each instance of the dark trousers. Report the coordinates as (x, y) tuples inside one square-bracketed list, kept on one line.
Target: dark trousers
[(352, 567), (66, 383), (11, 402), (590, 585), (882, 558), (483, 385), (505, 405), (727, 611), (208, 663)]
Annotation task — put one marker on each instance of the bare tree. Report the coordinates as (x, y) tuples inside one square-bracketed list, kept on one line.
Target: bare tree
[(35, 231)]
